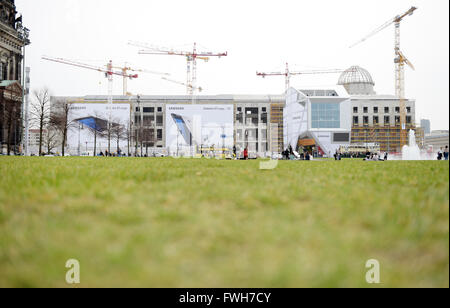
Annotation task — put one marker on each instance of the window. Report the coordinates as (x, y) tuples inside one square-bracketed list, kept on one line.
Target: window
[(355, 120), (149, 109), (366, 120), (386, 109), (239, 109), (264, 118), (408, 109), (397, 120), (387, 120), (397, 109), (138, 109), (159, 134), (264, 109), (408, 119), (366, 109), (355, 109), (341, 137), (148, 120), (159, 109), (239, 118), (325, 115), (159, 120), (375, 109), (239, 134), (376, 120)]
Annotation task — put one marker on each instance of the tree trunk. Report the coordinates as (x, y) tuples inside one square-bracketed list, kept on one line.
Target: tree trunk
[(109, 141), (41, 127), (95, 143), (64, 141)]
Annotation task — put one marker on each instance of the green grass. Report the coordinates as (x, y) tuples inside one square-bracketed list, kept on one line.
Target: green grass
[(208, 223)]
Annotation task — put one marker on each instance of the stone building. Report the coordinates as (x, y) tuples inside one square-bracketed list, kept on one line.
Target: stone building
[(13, 37)]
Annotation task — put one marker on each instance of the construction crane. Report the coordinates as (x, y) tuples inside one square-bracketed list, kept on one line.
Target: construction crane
[(288, 73), (199, 89), (125, 70), (191, 57), (400, 60)]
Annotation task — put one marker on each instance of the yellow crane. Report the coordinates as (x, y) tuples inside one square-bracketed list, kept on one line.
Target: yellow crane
[(400, 61)]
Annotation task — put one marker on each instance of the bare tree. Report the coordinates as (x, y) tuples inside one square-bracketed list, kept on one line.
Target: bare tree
[(61, 121), (118, 132), (50, 139), (40, 113), (96, 130)]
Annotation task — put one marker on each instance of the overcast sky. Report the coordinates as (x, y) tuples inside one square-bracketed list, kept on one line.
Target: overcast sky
[(258, 36)]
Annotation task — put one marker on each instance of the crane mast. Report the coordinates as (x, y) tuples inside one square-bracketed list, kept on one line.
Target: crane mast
[(400, 60)]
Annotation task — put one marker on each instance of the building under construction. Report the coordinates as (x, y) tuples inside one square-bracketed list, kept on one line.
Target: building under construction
[(324, 120)]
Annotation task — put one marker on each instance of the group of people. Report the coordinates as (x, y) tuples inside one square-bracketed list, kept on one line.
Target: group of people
[(443, 153), (376, 156), (289, 154)]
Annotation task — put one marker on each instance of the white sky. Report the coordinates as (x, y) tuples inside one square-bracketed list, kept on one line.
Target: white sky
[(258, 35)]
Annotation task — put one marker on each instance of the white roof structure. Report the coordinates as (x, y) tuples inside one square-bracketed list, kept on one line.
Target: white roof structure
[(357, 81)]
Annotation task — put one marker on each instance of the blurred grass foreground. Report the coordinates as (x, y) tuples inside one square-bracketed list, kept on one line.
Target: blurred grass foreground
[(207, 223)]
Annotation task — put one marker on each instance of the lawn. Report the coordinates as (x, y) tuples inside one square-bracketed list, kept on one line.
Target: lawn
[(166, 222)]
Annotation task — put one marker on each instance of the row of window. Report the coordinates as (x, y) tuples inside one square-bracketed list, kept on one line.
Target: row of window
[(149, 134), (376, 109), (148, 120), (376, 120), (149, 109)]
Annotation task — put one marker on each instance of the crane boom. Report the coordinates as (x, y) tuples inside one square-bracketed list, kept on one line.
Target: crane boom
[(200, 89), (88, 66), (287, 73), (191, 57), (396, 19)]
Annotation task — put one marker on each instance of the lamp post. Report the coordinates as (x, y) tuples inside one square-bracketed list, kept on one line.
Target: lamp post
[(24, 34)]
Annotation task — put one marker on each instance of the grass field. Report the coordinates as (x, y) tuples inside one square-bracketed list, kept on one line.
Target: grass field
[(207, 223)]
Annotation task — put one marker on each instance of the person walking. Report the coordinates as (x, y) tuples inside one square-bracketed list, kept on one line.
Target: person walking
[(446, 152), (245, 154), (439, 154)]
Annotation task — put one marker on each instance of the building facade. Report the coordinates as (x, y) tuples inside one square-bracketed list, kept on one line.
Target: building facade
[(324, 120), (436, 140), (426, 126), (258, 120), (12, 40)]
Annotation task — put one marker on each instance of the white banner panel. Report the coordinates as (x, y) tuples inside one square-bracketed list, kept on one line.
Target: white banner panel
[(191, 128), (90, 119)]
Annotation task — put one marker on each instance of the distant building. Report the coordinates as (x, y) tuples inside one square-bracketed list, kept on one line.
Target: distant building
[(351, 113), (317, 120), (437, 139), (426, 125)]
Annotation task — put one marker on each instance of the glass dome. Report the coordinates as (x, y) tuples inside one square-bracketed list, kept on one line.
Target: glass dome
[(357, 81), (355, 74)]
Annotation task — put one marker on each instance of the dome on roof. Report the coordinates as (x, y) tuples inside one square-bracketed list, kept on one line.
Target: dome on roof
[(355, 74), (357, 81)]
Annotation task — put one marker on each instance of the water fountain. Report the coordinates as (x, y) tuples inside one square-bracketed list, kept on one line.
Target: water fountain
[(411, 151)]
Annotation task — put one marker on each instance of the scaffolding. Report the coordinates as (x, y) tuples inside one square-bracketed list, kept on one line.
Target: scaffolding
[(387, 137), (276, 127)]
